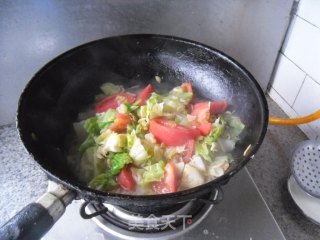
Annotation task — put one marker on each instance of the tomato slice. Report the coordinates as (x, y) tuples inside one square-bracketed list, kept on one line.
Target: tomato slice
[(204, 109), (113, 101), (171, 133), (217, 107), (201, 111), (204, 128), (169, 183), (145, 94), (189, 151), (126, 180), (187, 87), (121, 122)]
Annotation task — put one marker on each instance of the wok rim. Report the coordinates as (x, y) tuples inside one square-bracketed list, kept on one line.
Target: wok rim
[(90, 193)]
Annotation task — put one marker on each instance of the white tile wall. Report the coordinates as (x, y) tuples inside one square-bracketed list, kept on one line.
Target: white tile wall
[(282, 103), (310, 11), (296, 83), (288, 79), (303, 47)]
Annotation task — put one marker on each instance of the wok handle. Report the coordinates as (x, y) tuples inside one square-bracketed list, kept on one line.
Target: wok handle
[(295, 121), (32, 222), (36, 219)]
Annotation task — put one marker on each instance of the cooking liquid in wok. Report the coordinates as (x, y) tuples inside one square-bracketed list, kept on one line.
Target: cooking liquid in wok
[(136, 141)]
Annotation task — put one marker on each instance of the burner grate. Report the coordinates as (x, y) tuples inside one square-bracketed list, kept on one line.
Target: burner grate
[(151, 223), (124, 224)]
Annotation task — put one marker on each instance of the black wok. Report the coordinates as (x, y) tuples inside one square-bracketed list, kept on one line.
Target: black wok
[(65, 86)]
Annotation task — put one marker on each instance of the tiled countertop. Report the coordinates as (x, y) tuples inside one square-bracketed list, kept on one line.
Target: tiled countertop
[(21, 181)]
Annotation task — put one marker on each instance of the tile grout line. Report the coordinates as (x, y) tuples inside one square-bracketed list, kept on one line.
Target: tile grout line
[(294, 101), (313, 79), (284, 100), (287, 103), (282, 50), (307, 21), (306, 75), (292, 22), (314, 133), (307, 125), (300, 68), (293, 62)]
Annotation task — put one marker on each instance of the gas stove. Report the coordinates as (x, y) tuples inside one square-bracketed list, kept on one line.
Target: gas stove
[(242, 214)]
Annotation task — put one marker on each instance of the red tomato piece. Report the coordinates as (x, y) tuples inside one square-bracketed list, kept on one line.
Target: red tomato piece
[(171, 133), (201, 111), (121, 122), (218, 107), (145, 94), (113, 101), (187, 87), (169, 183), (204, 128), (189, 151), (126, 180)]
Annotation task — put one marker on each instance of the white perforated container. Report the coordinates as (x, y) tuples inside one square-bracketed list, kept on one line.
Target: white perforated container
[(306, 167)]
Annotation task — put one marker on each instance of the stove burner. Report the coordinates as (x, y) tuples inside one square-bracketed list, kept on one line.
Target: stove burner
[(127, 225)]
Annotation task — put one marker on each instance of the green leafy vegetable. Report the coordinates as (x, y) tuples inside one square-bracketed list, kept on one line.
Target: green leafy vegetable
[(180, 94), (111, 142), (101, 165), (87, 163), (155, 98), (182, 119), (131, 127), (106, 119), (235, 123), (138, 152), (156, 110), (154, 106), (97, 123), (174, 105), (154, 172), (91, 164), (105, 152), (143, 111), (216, 132), (132, 107), (91, 126), (131, 137), (202, 150), (89, 142), (103, 182), (118, 161), (110, 88)]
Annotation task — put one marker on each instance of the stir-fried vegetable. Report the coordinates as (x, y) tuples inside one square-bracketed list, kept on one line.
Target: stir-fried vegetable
[(154, 172), (103, 182), (118, 161), (153, 143)]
